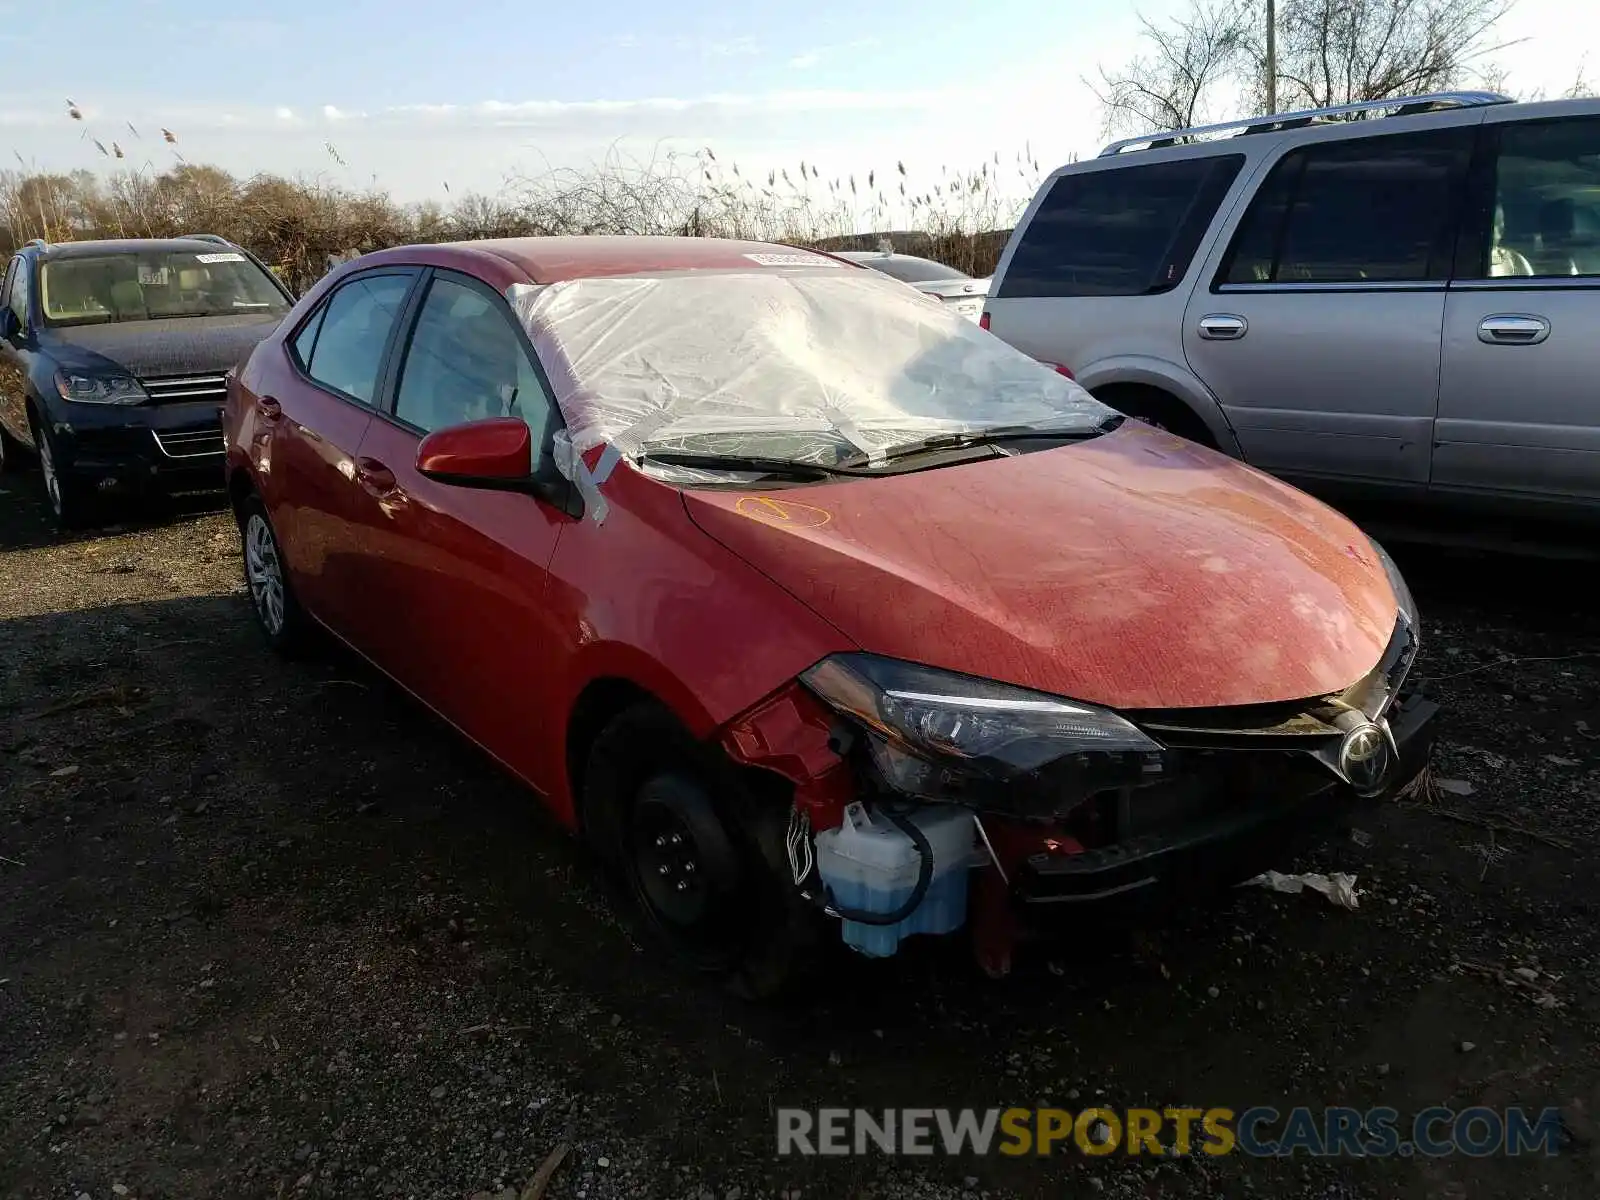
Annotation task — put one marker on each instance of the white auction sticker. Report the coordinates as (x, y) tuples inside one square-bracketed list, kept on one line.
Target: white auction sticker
[(230, 256), (792, 260)]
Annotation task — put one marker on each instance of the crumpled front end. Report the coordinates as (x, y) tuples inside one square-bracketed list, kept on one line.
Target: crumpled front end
[(1066, 808)]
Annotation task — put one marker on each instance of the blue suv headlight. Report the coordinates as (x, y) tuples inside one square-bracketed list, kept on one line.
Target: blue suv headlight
[(77, 387)]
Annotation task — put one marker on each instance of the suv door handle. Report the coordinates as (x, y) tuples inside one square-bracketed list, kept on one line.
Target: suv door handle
[(1223, 327), (1513, 329)]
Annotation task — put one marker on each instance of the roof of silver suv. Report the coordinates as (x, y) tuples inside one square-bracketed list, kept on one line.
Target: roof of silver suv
[(1404, 106)]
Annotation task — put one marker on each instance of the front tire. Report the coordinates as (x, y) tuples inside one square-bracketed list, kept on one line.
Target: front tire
[(278, 614), (671, 819), (70, 499)]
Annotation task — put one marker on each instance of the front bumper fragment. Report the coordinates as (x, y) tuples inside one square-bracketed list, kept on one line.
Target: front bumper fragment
[(1162, 868)]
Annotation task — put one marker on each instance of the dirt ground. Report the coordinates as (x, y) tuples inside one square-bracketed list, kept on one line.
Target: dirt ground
[(267, 929)]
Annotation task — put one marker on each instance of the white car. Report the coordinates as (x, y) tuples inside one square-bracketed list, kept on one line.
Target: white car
[(956, 288)]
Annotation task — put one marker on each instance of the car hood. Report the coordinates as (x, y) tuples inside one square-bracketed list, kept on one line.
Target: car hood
[(176, 346), (1136, 571)]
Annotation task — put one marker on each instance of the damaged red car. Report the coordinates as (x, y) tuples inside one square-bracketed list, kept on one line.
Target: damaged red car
[(819, 611)]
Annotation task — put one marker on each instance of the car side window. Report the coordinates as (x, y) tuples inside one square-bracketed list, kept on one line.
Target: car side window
[(1546, 216), (1119, 231), (1371, 209), (306, 340), (17, 297), (351, 333), (10, 278), (466, 362)]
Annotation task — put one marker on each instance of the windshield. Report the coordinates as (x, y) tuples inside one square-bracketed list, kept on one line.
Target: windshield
[(151, 285), (808, 365), (909, 269)]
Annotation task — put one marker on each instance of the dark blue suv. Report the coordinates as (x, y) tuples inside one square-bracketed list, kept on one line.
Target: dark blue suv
[(114, 357)]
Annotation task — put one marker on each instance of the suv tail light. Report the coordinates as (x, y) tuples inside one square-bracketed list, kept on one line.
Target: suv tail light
[(983, 321), (1062, 369)]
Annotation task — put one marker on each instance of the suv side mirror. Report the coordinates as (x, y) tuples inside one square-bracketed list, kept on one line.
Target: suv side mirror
[(10, 327)]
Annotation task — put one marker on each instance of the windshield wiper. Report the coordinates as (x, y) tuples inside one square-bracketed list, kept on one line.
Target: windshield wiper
[(982, 437), (747, 463)]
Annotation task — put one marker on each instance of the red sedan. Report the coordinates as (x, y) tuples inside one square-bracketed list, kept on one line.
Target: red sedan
[(817, 609)]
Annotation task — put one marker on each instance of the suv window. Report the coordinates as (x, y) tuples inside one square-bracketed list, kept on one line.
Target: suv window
[(1366, 209), (1546, 201), (466, 362), (354, 328), (17, 297), (1119, 231)]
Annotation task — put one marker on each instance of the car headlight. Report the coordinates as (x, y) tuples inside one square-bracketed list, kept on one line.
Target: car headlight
[(1375, 692), (938, 735), (80, 388)]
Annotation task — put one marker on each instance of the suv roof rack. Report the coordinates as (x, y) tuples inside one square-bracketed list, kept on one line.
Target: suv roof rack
[(215, 238), (1406, 106)]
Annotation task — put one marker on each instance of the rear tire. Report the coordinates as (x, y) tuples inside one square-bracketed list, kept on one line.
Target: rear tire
[(696, 851), (1160, 410), (278, 614)]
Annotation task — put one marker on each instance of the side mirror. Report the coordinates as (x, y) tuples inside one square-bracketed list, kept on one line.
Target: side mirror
[(9, 325), (495, 453)]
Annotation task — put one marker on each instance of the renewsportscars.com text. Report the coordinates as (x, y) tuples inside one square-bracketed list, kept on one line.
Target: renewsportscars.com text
[(1261, 1132)]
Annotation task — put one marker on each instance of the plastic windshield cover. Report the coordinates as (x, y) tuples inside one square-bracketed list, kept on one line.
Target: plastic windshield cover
[(805, 364)]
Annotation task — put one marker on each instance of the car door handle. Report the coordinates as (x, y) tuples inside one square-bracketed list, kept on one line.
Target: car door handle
[(1513, 329), (268, 408), (1223, 327), (374, 477)]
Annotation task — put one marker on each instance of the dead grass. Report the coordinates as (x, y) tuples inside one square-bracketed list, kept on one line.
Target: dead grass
[(296, 224)]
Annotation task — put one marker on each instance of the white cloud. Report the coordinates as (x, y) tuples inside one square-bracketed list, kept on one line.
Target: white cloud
[(339, 114), (734, 47), (284, 114), (803, 62)]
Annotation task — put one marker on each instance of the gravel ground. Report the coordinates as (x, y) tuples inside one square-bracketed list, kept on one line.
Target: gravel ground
[(267, 929)]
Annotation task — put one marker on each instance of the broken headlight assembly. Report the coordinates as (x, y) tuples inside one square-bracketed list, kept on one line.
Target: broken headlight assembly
[(940, 736), (1374, 693)]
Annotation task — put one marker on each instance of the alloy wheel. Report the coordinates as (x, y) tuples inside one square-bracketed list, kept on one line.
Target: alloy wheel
[(47, 465), (264, 572)]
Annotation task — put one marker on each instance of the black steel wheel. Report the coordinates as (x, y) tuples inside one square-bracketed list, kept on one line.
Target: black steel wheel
[(700, 854)]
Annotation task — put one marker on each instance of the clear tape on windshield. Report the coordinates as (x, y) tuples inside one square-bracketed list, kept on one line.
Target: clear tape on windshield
[(807, 365)]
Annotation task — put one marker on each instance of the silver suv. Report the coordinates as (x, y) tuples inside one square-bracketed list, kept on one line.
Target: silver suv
[(1399, 297)]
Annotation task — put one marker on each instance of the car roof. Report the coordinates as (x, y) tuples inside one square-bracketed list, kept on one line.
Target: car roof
[(555, 259), (58, 250), (867, 256)]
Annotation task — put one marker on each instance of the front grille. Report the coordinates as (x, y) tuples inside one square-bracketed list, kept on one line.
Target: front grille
[(190, 443), (186, 389)]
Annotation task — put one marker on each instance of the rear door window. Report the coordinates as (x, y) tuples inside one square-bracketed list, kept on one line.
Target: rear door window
[(1546, 219), (1372, 209), (355, 325), (1120, 231)]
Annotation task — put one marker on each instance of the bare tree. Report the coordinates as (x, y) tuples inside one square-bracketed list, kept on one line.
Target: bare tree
[(1497, 79), (1327, 52), (1186, 60), (1345, 51)]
